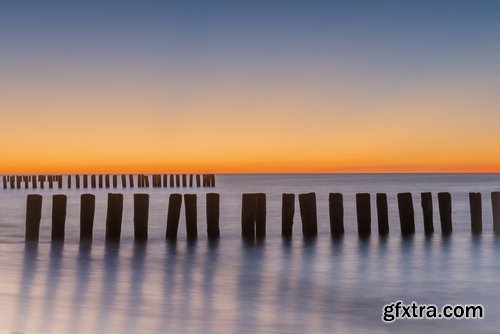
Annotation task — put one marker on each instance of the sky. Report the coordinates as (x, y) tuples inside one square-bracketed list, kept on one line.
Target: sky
[(249, 86)]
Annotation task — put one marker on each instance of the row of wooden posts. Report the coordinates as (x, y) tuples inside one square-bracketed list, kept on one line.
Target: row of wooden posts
[(108, 181), (253, 215)]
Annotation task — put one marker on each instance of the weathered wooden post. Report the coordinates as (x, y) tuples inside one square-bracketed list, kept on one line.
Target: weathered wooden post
[(287, 214), (260, 215), (106, 181), (248, 215), (101, 183), (131, 181), (87, 211), (406, 214), (213, 202), (93, 181), (34, 183), (363, 210), (58, 217), (336, 209), (495, 206), (141, 216), (213, 180), (173, 215), (198, 180), (382, 214), (308, 213), (51, 183), (12, 182), (191, 216), (69, 181), (85, 181), (77, 181), (4, 182), (26, 184), (427, 211), (41, 178), (165, 180), (184, 181), (139, 181), (177, 180), (444, 200), (33, 217), (476, 213), (115, 181), (124, 181), (190, 180), (59, 181), (172, 181), (114, 217)]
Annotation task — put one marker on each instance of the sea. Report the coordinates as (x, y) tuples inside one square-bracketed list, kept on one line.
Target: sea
[(274, 285)]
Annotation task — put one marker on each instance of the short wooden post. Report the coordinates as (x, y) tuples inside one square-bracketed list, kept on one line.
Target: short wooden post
[(308, 214), (77, 181), (106, 181), (191, 216), (213, 180), (172, 181), (427, 211), (177, 180), (101, 183), (444, 200), (476, 213), (41, 178), (139, 181), (34, 183), (184, 180), (141, 216), (198, 180), (364, 214), (58, 217), (114, 217), (26, 184), (248, 215), (131, 181), (173, 215), (213, 202), (4, 182), (124, 181), (85, 181), (93, 181), (115, 181), (406, 214), (51, 182), (260, 215), (495, 206), (33, 217), (382, 214), (287, 214), (336, 208), (165, 180), (59, 181), (190, 180), (87, 211), (12, 182)]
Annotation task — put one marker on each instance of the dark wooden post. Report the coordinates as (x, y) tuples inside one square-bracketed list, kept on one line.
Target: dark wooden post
[(177, 180), (287, 214), (87, 211), (41, 178), (363, 210), (12, 182), (146, 181), (191, 180), (59, 181), (444, 200), (51, 183), (34, 183), (172, 181), (114, 217), (131, 181), (174, 213), (26, 184), (213, 202), (308, 214), (141, 216), (476, 213), (260, 215), (139, 181), (495, 206), (33, 217), (4, 182), (124, 181), (115, 181), (382, 214), (191, 216), (336, 208), (248, 215), (101, 183), (77, 181), (184, 180), (58, 217), (106, 181), (427, 212), (213, 180), (165, 180), (85, 181), (93, 181), (406, 214), (198, 180)]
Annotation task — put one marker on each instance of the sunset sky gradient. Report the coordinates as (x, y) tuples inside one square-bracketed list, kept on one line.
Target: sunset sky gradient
[(249, 86)]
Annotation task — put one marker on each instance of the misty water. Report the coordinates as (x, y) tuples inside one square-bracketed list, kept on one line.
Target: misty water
[(232, 286)]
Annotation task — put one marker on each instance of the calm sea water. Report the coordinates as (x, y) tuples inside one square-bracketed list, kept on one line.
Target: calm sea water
[(229, 286)]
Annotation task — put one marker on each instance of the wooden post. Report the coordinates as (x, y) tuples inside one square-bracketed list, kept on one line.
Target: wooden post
[(495, 206), (174, 213), (59, 182), (26, 184), (42, 181), (427, 211), (190, 180), (101, 181), (4, 182), (58, 217), (85, 181), (139, 181), (34, 182), (106, 181), (51, 183), (87, 211), (191, 216), (184, 181), (131, 181), (476, 213), (198, 180), (382, 214), (12, 182), (77, 181), (363, 210), (336, 208), (248, 215), (124, 181), (213, 202), (114, 217), (213, 180), (172, 182), (93, 181), (406, 214), (177, 180), (308, 213), (287, 214), (141, 216), (115, 181), (444, 200), (33, 217), (146, 181), (260, 216), (165, 180)]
